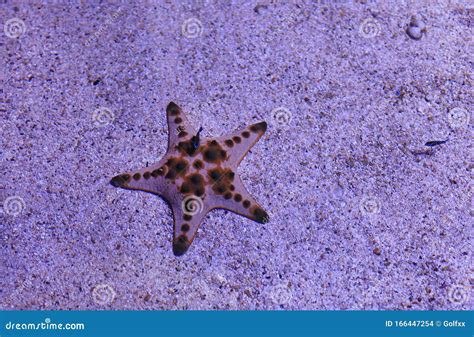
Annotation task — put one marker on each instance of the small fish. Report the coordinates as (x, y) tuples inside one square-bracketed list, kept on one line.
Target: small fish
[(435, 142), (195, 139)]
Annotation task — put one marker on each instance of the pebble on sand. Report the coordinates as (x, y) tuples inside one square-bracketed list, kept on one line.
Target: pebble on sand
[(416, 28)]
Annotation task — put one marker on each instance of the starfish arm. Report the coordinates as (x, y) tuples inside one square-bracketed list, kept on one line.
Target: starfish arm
[(187, 217), (148, 179), (240, 201), (240, 142), (179, 128)]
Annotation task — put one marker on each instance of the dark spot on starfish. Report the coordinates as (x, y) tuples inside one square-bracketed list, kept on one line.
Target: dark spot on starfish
[(137, 176), (194, 184), (213, 152), (120, 180), (182, 134), (185, 227), (238, 197), (187, 148), (181, 165), (232, 187), (171, 161), (199, 191), (187, 217), (196, 179), (210, 156), (237, 139), (198, 164), (220, 179), (185, 188), (171, 175), (146, 175), (246, 203), (215, 174), (259, 127), (172, 109), (180, 245), (229, 142), (260, 215), (158, 172), (177, 167), (228, 195), (178, 120), (246, 134)]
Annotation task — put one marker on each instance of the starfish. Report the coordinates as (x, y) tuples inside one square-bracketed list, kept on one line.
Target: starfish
[(198, 175)]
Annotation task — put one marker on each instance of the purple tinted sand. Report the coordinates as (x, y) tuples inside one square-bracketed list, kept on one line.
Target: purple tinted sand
[(363, 214)]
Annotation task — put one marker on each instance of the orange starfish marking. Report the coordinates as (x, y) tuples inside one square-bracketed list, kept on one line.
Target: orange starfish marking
[(198, 175)]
